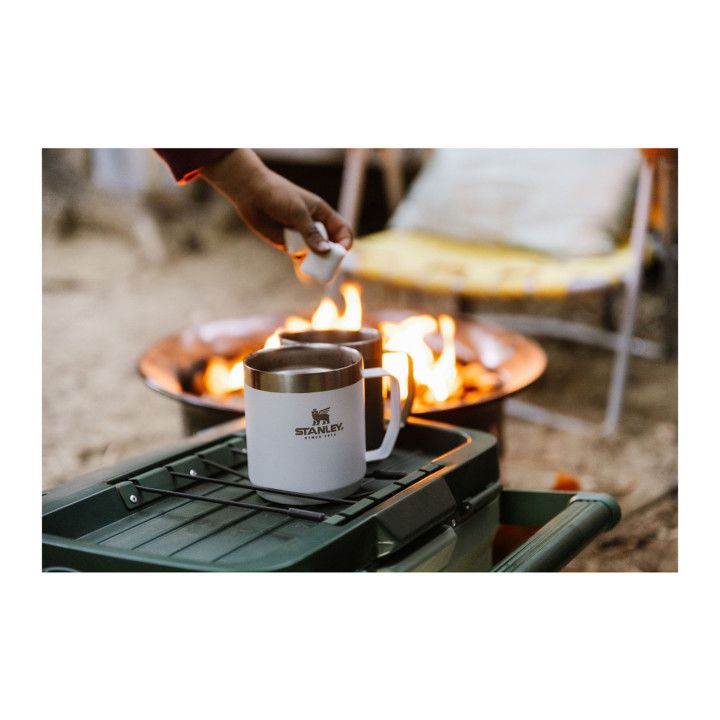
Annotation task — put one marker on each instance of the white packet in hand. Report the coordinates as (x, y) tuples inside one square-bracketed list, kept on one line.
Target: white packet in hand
[(321, 268)]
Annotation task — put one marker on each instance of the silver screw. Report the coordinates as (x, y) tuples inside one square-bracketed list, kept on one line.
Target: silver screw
[(193, 472), (133, 498), (453, 523)]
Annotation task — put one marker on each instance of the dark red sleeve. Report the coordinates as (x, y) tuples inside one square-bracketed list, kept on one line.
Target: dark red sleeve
[(186, 163)]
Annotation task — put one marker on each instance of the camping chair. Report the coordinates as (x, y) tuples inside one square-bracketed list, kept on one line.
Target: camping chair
[(443, 265)]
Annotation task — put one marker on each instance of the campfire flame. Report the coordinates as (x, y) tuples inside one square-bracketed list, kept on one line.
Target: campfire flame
[(222, 377), (437, 378), (327, 316)]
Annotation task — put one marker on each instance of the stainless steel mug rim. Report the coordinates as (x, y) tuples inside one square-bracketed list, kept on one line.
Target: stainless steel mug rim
[(345, 337), (367, 340), (319, 367)]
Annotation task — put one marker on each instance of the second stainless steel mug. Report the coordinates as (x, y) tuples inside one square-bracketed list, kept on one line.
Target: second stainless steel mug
[(368, 342)]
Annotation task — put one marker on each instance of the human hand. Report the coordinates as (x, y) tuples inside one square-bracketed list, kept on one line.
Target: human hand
[(268, 203)]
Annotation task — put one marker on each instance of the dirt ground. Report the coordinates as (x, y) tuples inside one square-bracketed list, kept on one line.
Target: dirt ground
[(104, 303)]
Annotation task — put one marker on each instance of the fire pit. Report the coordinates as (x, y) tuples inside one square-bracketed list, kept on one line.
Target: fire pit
[(463, 369)]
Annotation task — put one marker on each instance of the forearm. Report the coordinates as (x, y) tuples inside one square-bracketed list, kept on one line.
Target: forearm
[(268, 203), (235, 175)]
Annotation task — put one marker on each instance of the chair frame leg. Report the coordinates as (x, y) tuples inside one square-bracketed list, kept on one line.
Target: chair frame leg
[(633, 283), (668, 175), (352, 185), (391, 161)]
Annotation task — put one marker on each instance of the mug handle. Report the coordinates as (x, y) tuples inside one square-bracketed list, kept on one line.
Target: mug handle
[(410, 399), (393, 428)]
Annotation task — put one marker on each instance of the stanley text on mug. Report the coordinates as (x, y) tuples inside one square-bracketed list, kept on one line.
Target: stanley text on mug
[(321, 426)]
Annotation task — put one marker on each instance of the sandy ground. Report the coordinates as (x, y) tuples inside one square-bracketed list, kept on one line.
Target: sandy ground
[(103, 304)]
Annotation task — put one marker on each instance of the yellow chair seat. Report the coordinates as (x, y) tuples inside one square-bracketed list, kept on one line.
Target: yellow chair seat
[(441, 264)]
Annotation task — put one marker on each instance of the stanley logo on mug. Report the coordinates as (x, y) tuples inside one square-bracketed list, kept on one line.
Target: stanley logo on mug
[(321, 426)]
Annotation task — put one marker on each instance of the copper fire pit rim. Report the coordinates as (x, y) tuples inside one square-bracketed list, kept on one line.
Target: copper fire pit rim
[(173, 344), (533, 357)]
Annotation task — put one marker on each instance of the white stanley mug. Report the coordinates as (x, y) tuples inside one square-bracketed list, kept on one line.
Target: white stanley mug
[(305, 420)]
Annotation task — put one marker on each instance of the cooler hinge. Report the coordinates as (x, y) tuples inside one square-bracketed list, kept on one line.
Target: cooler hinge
[(475, 502), (130, 495)]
